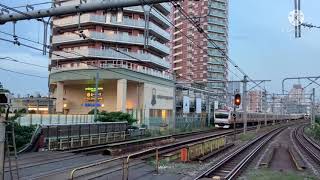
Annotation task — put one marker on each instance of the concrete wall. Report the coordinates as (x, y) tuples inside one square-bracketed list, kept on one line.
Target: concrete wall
[(140, 98)]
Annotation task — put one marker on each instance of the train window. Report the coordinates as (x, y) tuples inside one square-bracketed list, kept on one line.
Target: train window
[(222, 115)]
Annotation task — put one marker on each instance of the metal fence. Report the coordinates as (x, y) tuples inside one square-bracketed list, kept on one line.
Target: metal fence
[(191, 121)]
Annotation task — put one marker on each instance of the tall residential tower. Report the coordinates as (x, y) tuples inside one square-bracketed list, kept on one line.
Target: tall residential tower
[(206, 65)]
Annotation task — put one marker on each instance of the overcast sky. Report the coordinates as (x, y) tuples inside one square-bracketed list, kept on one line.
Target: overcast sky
[(261, 42)]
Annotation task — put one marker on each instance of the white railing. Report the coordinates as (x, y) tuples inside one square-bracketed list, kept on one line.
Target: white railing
[(110, 53), (165, 20), (115, 64), (123, 38), (136, 23)]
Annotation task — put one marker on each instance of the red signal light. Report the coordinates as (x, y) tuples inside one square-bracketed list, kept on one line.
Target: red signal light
[(237, 99)]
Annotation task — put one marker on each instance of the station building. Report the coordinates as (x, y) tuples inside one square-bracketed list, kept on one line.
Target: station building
[(109, 47)]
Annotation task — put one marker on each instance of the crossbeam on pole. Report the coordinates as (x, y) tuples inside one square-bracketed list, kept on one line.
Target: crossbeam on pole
[(79, 8)]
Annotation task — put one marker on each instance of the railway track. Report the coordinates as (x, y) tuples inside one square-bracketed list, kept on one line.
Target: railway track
[(231, 166), (311, 148), (161, 150)]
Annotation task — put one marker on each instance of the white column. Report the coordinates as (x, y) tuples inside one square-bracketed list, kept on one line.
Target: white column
[(121, 95), (59, 101)]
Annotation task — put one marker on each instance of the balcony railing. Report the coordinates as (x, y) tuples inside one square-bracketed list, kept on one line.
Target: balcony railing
[(111, 54), (119, 38), (161, 18), (135, 23), (114, 65), (163, 7)]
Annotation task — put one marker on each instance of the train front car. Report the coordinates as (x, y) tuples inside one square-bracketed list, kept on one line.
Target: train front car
[(222, 118)]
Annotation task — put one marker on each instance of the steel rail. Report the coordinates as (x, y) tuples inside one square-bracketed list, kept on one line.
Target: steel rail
[(243, 162), (157, 150), (308, 146)]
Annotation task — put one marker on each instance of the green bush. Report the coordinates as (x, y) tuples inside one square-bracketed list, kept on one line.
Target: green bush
[(23, 134), (92, 111), (115, 117), (32, 112), (316, 131)]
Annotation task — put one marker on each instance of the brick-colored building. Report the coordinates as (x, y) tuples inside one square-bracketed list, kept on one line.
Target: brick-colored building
[(207, 64)]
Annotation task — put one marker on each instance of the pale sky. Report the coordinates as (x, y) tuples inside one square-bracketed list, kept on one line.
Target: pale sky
[(261, 42)]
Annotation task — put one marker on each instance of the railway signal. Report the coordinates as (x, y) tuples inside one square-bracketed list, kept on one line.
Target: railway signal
[(237, 99), (237, 102)]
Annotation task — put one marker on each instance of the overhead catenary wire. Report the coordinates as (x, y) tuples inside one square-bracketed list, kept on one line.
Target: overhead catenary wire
[(97, 67), (25, 74), (197, 26), (197, 45), (90, 38), (119, 52)]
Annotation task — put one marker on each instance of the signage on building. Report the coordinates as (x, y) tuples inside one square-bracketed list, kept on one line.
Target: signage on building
[(186, 104), (91, 93), (91, 104), (216, 104), (165, 97), (198, 105)]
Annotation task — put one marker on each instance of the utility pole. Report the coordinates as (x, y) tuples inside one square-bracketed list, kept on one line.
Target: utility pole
[(244, 104), (96, 96), (2, 141), (313, 108)]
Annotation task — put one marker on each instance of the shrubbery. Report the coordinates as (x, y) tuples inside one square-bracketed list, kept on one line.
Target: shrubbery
[(23, 134), (316, 131), (115, 117)]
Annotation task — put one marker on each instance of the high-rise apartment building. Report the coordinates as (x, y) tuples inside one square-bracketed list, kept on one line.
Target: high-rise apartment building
[(132, 77), (206, 65)]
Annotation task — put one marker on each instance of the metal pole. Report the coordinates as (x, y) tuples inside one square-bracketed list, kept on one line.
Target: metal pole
[(244, 104), (2, 146), (73, 9), (157, 161), (313, 108), (234, 122), (209, 110), (96, 96)]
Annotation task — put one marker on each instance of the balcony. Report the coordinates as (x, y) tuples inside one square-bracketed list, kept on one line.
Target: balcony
[(165, 8), (217, 29), (217, 38), (111, 54), (218, 13), (100, 19), (114, 65), (116, 38), (219, 22), (217, 5), (217, 70), (161, 19)]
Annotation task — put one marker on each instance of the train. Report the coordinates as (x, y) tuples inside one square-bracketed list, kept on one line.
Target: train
[(225, 118)]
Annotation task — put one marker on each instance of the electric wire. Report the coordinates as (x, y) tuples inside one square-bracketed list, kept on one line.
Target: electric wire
[(86, 38), (197, 26)]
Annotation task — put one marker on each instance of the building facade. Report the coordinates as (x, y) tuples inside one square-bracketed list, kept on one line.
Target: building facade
[(35, 105), (195, 58), (257, 101), (118, 52)]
